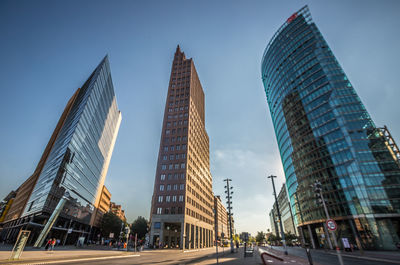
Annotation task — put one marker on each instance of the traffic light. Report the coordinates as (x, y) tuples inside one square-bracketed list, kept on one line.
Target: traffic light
[(318, 189)]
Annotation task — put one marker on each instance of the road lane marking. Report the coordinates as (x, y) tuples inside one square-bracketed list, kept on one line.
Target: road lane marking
[(82, 259)]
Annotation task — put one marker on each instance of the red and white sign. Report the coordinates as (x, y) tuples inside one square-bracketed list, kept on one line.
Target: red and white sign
[(331, 224)]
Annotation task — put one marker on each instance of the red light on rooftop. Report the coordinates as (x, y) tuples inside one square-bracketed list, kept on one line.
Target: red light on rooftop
[(290, 19)]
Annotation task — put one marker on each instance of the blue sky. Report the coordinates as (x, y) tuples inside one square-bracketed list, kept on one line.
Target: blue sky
[(49, 48)]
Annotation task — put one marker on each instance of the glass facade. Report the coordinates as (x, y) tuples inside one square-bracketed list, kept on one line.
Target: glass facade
[(78, 161), (325, 134)]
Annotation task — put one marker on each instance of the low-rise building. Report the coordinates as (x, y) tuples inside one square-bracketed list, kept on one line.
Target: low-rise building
[(221, 219), (117, 210)]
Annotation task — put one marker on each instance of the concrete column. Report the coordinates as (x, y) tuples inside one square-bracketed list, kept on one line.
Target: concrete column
[(192, 238), (162, 233), (311, 236)]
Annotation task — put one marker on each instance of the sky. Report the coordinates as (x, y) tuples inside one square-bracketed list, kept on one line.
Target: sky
[(49, 48)]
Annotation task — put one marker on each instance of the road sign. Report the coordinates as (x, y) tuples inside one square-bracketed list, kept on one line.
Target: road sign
[(331, 224), (69, 230), (111, 235)]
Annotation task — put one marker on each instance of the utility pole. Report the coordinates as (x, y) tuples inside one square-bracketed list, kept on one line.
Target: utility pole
[(279, 214), (229, 197), (318, 189)]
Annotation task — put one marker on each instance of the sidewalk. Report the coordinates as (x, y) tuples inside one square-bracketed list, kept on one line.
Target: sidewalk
[(286, 258), (31, 255)]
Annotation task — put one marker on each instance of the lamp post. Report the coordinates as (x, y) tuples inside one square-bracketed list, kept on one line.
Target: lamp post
[(279, 214), (229, 197)]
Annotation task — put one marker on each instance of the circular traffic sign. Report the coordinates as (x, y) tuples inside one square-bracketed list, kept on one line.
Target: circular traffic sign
[(331, 224)]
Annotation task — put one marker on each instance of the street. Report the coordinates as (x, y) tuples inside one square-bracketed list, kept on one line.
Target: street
[(330, 257)]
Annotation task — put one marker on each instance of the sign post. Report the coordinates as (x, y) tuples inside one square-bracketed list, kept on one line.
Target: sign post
[(20, 244)]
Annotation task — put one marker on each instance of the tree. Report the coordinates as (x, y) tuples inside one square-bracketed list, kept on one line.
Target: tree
[(139, 226), (236, 238), (110, 224), (260, 237)]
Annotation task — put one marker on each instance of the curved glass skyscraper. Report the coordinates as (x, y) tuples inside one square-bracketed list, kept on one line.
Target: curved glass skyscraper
[(325, 134)]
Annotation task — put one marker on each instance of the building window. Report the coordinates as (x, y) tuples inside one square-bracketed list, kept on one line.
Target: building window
[(164, 158), (172, 210), (183, 176), (174, 198), (178, 147), (176, 166), (166, 211), (159, 210), (167, 131), (175, 186), (165, 148), (161, 187), (163, 167), (183, 146), (157, 225), (169, 176), (182, 186), (183, 165), (170, 166), (175, 176), (168, 198), (172, 147), (160, 198), (169, 187), (162, 177), (179, 210), (181, 198), (171, 157)]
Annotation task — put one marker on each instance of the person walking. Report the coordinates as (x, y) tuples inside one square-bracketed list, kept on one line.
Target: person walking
[(47, 247), (53, 243)]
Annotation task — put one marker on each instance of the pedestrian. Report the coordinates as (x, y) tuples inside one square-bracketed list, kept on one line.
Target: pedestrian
[(53, 242), (48, 244), (58, 242)]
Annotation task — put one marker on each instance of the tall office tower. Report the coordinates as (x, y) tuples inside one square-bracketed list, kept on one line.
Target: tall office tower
[(181, 211), (325, 134), (74, 164)]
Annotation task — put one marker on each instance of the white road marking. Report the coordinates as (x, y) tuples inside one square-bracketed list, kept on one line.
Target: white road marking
[(82, 259)]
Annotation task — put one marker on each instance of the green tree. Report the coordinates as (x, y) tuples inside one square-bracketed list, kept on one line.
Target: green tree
[(139, 226), (110, 224), (236, 238), (260, 237)]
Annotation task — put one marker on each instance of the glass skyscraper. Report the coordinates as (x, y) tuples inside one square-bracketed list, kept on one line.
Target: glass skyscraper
[(325, 134), (76, 160)]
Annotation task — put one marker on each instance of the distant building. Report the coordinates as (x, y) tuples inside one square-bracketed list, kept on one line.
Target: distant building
[(286, 215), (221, 219), (273, 218), (74, 164), (117, 210), (102, 207)]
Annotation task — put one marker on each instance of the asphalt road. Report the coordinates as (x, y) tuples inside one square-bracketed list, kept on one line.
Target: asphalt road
[(170, 257), (329, 258)]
